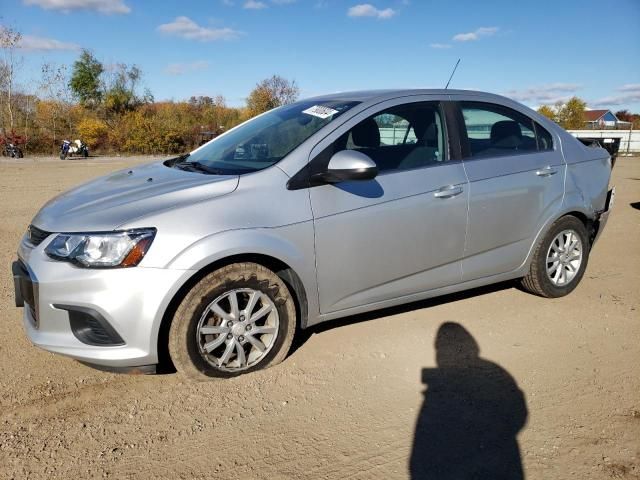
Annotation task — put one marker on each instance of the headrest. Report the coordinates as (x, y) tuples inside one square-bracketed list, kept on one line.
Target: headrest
[(366, 134), (422, 123), (506, 134)]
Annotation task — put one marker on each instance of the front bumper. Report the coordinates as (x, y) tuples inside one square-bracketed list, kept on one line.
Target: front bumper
[(64, 307)]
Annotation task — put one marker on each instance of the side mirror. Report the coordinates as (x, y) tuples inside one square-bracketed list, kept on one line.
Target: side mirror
[(350, 165)]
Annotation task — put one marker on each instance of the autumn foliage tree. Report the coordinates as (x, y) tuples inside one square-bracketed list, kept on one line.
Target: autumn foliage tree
[(271, 93), (548, 112), (570, 115), (627, 116)]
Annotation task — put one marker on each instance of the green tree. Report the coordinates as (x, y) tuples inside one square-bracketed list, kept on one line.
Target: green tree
[(85, 79), (548, 112), (570, 115), (271, 93)]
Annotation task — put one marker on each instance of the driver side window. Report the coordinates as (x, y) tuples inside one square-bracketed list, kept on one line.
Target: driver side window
[(400, 138)]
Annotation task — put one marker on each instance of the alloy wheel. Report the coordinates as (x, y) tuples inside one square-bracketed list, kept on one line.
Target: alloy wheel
[(238, 329)]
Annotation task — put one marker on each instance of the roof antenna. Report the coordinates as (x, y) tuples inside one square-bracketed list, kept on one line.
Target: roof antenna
[(452, 74)]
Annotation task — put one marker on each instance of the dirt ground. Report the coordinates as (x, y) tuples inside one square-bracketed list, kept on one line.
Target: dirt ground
[(346, 403)]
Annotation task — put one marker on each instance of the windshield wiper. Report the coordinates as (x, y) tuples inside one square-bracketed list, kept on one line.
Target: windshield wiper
[(199, 167)]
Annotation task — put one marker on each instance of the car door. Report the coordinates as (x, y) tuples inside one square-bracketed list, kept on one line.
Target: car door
[(516, 183), (402, 232)]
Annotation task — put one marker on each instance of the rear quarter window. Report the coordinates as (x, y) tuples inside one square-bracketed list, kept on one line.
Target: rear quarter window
[(545, 140)]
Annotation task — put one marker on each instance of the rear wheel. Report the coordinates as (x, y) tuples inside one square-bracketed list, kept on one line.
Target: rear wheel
[(559, 260), (235, 320)]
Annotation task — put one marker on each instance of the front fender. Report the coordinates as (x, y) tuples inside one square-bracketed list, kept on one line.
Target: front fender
[(291, 244)]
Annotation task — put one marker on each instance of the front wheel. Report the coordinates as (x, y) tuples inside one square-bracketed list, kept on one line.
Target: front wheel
[(63, 156), (559, 260), (235, 320)]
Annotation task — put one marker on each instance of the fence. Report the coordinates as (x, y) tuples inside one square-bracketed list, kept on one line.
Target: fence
[(629, 139)]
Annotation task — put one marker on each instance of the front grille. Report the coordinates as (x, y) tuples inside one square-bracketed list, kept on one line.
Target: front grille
[(36, 236)]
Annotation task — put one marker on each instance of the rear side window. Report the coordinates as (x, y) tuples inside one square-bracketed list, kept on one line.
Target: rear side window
[(494, 130)]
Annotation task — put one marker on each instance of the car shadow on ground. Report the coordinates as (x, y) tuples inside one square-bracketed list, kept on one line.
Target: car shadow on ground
[(470, 417), (635, 205)]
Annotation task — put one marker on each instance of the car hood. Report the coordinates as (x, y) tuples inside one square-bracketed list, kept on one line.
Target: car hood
[(107, 202)]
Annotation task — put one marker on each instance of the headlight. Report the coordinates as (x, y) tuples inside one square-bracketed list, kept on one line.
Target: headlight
[(100, 250)]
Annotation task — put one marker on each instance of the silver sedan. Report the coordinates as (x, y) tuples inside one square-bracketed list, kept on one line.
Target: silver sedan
[(314, 211)]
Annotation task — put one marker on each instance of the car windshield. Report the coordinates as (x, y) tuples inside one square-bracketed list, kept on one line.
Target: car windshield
[(265, 140)]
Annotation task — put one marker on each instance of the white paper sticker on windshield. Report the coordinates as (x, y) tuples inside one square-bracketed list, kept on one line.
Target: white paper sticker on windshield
[(320, 111)]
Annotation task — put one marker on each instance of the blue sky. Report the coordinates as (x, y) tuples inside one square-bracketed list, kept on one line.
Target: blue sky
[(534, 51)]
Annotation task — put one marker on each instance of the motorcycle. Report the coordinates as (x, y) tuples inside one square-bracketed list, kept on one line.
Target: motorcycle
[(78, 147), (12, 150)]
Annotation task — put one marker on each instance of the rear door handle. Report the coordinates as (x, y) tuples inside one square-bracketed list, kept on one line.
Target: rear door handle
[(546, 171), (448, 191)]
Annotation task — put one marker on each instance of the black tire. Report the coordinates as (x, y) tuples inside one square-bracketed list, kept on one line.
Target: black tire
[(63, 156), (537, 280), (20, 154), (183, 341), (85, 153)]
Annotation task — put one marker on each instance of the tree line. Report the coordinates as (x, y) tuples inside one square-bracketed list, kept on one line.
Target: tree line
[(571, 114), (107, 107)]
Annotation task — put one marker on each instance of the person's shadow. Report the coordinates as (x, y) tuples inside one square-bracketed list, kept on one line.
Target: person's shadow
[(472, 412)]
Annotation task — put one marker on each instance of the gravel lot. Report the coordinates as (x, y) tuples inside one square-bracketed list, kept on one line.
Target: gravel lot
[(346, 403)]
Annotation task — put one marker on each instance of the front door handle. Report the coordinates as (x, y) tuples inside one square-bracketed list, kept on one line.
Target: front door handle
[(448, 191), (547, 171)]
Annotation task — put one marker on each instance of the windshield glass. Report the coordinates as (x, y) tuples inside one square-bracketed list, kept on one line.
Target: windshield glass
[(265, 140)]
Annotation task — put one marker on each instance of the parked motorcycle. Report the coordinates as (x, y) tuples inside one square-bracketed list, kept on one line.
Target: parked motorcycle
[(12, 150), (77, 147)]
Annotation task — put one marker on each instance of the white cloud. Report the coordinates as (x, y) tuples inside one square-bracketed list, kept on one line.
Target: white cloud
[(186, 28), (32, 43), (283, 2), (368, 10), (629, 93), (476, 34), (630, 87), (545, 94), (440, 45), (102, 6), (182, 68), (254, 5)]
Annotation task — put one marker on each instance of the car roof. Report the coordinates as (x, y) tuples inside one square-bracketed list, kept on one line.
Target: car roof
[(381, 95)]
